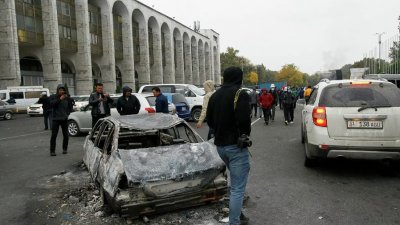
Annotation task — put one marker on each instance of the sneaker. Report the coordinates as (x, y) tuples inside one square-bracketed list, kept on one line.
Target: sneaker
[(64, 151), (286, 122), (266, 122), (52, 154), (244, 220), (291, 122)]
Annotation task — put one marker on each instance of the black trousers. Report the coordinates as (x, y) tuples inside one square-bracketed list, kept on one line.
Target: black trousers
[(267, 114), (288, 111), (54, 133), (255, 107), (273, 112), (48, 118), (96, 118)]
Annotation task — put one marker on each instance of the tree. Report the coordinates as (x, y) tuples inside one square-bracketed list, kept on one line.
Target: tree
[(291, 74), (251, 78), (231, 58)]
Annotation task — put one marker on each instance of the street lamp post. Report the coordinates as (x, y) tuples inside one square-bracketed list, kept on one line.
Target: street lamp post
[(380, 42)]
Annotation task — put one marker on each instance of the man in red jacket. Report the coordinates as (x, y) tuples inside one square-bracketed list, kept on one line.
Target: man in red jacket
[(266, 101)]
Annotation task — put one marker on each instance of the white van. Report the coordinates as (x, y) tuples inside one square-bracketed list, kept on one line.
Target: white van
[(24, 96), (193, 94)]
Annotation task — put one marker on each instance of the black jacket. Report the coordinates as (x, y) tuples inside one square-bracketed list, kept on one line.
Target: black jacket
[(289, 99), (130, 106), (94, 102), (274, 94), (61, 108), (228, 123), (45, 101)]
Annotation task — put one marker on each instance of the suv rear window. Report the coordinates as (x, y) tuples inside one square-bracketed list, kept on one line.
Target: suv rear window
[(357, 96)]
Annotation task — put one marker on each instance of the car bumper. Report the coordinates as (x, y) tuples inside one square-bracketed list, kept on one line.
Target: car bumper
[(32, 112), (185, 115), (320, 145), (155, 206)]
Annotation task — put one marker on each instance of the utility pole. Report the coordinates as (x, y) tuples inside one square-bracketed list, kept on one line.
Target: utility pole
[(380, 42)]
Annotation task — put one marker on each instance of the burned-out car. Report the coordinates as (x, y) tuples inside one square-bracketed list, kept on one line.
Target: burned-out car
[(151, 163)]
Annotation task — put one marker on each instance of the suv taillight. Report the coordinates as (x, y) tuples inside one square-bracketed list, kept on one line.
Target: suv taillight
[(319, 116), (150, 110)]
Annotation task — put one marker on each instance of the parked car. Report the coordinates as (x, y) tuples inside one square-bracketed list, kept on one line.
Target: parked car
[(193, 95), (181, 104), (152, 101), (152, 163), (35, 110), (80, 101), (356, 119), (81, 121), (5, 111)]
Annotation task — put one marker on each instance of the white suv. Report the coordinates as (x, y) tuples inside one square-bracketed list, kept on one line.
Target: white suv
[(357, 119)]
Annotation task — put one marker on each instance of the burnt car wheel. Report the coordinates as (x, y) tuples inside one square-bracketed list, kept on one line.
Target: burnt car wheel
[(73, 128), (8, 116), (196, 114)]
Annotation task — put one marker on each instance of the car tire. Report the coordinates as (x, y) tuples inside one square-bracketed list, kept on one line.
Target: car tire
[(8, 116), (196, 112), (308, 162), (31, 115), (73, 128)]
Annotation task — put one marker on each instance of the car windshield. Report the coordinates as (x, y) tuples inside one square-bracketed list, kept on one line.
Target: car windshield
[(374, 95), (176, 99), (196, 90)]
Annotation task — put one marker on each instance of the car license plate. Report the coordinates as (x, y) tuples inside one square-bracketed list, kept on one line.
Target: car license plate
[(364, 124)]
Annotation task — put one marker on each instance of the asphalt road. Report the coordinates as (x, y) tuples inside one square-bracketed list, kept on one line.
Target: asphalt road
[(280, 189)]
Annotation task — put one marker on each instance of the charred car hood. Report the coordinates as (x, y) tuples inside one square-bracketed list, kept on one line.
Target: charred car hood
[(169, 162)]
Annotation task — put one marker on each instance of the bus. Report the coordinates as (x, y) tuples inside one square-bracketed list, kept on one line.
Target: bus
[(24, 96)]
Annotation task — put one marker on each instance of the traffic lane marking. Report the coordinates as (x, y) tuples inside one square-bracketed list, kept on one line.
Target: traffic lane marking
[(24, 135)]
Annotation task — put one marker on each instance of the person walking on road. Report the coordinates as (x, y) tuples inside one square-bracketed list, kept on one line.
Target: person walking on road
[(128, 104), (100, 103), (228, 113), (254, 101), (47, 110), (161, 101), (289, 104), (266, 101), (307, 94), (62, 106), (275, 95), (209, 89)]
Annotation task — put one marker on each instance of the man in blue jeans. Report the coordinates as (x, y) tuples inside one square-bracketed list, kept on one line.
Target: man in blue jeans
[(228, 114)]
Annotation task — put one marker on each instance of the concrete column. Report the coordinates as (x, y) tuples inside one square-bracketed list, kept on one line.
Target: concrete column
[(10, 73), (179, 68), (156, 70), (202, 69), (188, 79), (83, 65), (107, 61), (127, 64), (207, 60), (218, 67), (143, 68), (195, 64), (168, 69), (51, 60)]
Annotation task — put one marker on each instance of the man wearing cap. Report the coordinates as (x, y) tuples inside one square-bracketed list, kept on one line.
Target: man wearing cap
[(275, 95), (128, 104), (47, 110), (62, 106), (228, 114)]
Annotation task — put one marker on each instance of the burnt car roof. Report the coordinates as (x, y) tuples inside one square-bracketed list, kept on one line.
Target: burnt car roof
[(149, 121)]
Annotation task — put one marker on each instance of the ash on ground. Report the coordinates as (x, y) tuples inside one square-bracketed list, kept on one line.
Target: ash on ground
[(72, 198)]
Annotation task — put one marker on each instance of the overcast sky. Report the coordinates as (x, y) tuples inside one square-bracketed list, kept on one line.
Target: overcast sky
[(313, 34)]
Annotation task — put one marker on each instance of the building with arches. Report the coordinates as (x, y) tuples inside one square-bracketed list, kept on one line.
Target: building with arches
[(116, 42)]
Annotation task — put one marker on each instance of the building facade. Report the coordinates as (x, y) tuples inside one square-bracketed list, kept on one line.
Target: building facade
[(116, 42)]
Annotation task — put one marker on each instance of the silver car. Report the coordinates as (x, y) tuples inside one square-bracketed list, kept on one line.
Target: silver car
[(152, 163), (81, 121)]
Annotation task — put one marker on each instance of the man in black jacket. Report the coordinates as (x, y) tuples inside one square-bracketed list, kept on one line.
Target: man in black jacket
[(62, 106), (228, 114), (47, 110), (128, 104), (100, 104)]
